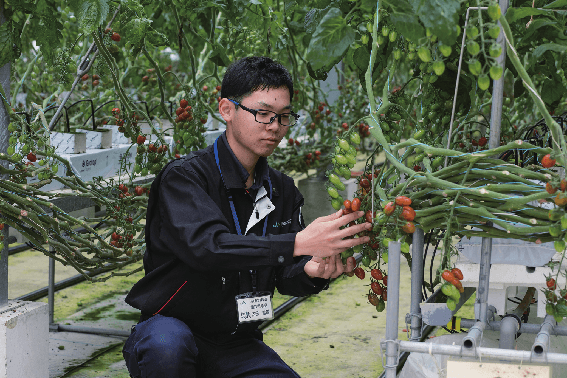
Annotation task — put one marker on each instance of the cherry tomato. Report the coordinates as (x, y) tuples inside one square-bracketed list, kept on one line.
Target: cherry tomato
[(447, 275), (355, 205), (376, 274), (457, 273), (359, 272), (389, 208), (347, 205)]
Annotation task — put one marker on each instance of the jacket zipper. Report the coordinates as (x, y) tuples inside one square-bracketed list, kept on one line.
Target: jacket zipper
[(223, 283)]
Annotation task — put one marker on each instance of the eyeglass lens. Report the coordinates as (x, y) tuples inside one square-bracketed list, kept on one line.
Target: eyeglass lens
[(286, 119)]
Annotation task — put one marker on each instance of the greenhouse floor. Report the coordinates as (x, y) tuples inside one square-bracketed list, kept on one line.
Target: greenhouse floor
[(335, 331)]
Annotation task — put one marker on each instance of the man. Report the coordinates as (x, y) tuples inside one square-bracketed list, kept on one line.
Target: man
[(223, 230)]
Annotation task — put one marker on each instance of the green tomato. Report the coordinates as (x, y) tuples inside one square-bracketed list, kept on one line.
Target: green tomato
[(475, 67), (345, 172), (397, 54), (495, 50), (451, 304), (355, 138), (445, 50), (564, 221), (405, 247), (357, 248), (385, 31), (10, 150), (366, 260), (341, 159), (12, 127), (438, 67), (348, 253), (424, 54), (336, 204), (419, 134), (392, 35), (381, 306), (351, 160), (494, 31), (386, 242), (472, 32), (473, 47), (332, 192), (554, 230), (559, 245), (385, 257), (494, 12), (352, 151), (483, 82), (343, 144), (364, 39), (336, 181), (495, 72)]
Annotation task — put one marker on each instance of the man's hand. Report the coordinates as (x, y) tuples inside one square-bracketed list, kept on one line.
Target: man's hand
[(324, 236), (331, 267)]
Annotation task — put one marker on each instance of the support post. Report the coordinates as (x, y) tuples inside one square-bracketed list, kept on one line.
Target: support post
[(416, 284), (392, 311), (4, 136), (51, 289)]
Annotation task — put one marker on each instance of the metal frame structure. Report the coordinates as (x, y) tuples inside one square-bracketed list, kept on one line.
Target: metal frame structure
[(508, 326)]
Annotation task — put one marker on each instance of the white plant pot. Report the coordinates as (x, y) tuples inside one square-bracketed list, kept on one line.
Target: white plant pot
[(69, 143), (98, 139)]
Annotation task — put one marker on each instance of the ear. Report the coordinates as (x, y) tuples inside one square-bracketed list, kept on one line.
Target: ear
[(226, 109)]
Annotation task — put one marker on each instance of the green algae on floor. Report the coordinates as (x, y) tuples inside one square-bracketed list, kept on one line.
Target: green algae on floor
[(78, 297), (336, 333), (106, 364)]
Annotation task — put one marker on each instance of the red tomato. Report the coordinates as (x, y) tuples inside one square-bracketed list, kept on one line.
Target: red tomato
[(408, 228), (359, 272), (551, 284), (355, 205), (369, 216), (457, 273), (447, 275), (403, 201), (373, 299), (376, 274), (183, 103), (347, 204), (389, 208), (550, 189), (547, 161), (364, 183), (376, 288), (408, 213)]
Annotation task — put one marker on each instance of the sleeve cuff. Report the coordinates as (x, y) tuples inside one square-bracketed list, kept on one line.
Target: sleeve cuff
[(282, 247)]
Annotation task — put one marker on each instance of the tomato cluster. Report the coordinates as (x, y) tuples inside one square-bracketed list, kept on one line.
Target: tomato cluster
[(189, 128), (452, 287), (556, 306)]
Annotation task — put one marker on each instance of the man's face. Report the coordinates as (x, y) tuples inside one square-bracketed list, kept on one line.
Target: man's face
[(250, 139)]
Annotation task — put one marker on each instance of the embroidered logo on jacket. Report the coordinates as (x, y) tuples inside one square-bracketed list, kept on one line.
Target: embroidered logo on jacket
[(278, 224)]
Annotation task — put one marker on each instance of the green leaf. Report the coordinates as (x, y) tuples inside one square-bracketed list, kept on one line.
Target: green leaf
[(551, 92), (156, 38), (135, 31), (89, 13), (218, 56), (7, 52), (440, 16), (515, 14), (312, 19), (408, 25), (330, 41), (556, 4), (541, 49), (257, 2)]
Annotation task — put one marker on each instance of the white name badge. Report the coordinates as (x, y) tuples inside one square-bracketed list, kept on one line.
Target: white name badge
[(254, 307)]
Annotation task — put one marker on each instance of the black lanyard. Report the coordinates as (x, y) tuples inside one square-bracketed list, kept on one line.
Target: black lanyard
[(234, 216)]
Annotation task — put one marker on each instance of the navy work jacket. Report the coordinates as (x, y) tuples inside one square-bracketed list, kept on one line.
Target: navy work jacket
[(196, 263)]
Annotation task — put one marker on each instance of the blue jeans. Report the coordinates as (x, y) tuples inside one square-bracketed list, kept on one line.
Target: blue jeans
[(165, 347)]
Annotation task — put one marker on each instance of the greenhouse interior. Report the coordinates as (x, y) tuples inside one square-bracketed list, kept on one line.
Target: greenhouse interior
[(401, 163)]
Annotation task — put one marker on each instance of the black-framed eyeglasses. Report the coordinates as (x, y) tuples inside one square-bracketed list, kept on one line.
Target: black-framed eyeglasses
[(267, 117)]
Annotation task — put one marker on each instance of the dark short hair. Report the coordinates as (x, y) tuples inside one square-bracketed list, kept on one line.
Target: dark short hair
[(247, 75)]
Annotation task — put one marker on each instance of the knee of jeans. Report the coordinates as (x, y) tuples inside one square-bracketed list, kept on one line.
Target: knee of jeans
[(167, 338)]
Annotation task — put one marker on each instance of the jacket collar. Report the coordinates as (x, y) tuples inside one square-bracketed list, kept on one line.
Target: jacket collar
[(234, 174)]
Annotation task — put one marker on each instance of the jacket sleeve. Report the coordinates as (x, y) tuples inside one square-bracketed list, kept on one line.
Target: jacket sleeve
[(292, 279), (194, 229)]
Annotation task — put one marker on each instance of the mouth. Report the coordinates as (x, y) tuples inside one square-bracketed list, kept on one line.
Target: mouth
[(270, 140)]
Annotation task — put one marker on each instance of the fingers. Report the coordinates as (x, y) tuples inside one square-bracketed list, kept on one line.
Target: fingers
[(346, 219), (355, 229), (330, 217)]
